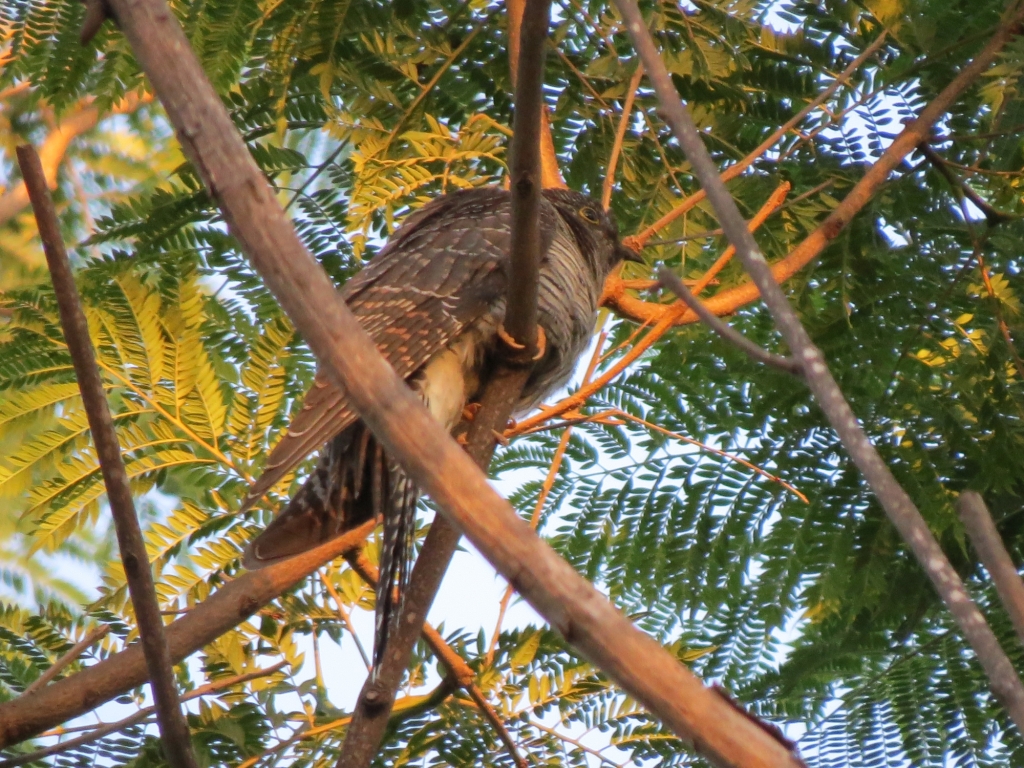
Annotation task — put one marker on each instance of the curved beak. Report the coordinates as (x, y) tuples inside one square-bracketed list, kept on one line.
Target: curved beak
[(628, 254)]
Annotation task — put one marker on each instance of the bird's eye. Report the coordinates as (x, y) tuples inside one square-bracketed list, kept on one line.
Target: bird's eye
[(589, 215)]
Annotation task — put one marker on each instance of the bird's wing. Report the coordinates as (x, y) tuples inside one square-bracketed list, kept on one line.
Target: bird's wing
[(441, 271)]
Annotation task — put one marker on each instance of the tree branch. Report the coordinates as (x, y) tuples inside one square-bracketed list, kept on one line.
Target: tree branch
[(995, 558), (551, 176), (671, 281), (620, 136), (229, 606), (1003, 679), (637, 242), (73, 653), (176, 740)]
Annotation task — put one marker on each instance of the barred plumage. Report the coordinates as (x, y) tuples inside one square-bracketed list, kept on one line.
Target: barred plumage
[(432, 300)]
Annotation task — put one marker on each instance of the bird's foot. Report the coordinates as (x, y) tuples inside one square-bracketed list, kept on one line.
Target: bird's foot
[(471, 410), (541, 343)]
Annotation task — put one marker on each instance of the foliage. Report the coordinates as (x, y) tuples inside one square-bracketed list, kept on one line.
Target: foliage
[(814, 615)]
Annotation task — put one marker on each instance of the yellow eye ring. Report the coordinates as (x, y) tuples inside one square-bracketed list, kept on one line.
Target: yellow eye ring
[(589, 215)]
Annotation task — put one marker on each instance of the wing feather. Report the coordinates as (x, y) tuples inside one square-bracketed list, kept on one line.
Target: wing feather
[(441, 271)]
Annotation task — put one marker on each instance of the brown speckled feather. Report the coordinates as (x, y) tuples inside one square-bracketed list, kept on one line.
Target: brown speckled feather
[(438, 273)]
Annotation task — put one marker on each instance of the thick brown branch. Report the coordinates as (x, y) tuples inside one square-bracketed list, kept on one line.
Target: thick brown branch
[(434, 461), (1003, 679), (28, 716), (993, 555), (176, 740)]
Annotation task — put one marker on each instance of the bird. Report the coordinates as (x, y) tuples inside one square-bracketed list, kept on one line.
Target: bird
[(433, 301)]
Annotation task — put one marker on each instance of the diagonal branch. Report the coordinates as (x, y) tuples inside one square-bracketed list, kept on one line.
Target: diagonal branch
[(994, 557), (1003, 679), (91, 637), (620, 136), (174, 730)]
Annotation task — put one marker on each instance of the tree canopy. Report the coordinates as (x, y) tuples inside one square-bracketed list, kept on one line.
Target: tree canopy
[(704, 493)]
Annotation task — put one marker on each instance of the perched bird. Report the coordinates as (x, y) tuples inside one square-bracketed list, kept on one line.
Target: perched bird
[(433, 301)]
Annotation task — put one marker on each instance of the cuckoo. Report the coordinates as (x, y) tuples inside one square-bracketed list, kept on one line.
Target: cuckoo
[(433, 301)]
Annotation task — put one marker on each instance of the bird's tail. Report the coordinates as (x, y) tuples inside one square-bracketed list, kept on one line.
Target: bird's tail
[(354, 481)]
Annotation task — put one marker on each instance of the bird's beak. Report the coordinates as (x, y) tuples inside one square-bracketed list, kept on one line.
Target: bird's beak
[(628, 254)]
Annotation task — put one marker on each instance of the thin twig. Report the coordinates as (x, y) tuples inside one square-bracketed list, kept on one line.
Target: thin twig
[(671, 281), (174, 730), (620, 136), (345, 618), (73, 653), (1003, 679), (711, 449), (962, 187), (775, 201), (992, 552), (1004, 329)]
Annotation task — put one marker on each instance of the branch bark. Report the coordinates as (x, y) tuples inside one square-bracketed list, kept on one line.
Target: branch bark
[(434, 461), (1003, 679), (176, 740), (28, 716), (993, 555)]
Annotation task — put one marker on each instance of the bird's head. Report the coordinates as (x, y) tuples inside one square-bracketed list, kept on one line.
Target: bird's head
[(595, 229)]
